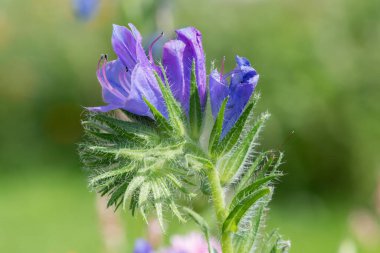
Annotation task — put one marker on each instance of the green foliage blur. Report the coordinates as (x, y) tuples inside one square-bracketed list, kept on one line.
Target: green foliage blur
[(319, 77)]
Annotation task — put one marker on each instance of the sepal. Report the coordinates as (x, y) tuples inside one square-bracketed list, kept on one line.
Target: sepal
[(195, 109), (177, 117)]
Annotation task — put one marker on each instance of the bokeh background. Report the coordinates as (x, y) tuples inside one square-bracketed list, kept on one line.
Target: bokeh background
[(319, 77)]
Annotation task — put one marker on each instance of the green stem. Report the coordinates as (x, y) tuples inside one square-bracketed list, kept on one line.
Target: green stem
[(219, 205)]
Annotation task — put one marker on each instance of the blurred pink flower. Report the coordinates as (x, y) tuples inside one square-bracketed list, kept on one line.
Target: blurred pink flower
[(192, 243)]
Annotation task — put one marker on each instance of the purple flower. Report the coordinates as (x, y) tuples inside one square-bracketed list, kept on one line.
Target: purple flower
[(85, 9), (243, 80), (142, 246), (178, 57), (129, 79)]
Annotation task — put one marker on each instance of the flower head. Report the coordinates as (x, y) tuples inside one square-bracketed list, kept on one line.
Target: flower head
[(130, 79), (243, 80)]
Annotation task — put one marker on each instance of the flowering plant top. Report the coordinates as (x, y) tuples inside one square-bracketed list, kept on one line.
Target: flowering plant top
[(149, 145)]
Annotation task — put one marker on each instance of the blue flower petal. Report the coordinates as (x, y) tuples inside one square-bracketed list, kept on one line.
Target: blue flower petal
[(194, 52), (218, 92), (172, 59), (127, 46), (144, 85)]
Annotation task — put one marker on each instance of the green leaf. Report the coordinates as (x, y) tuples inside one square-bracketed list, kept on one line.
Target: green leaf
[(249, 173), (112, 173), (160, 119), (231, 138), (198, 163), (272, 163), (232, 221), (116, 195), (138, 154), (144, 120), (195, 110), (132, 187), (232, 163), (144, 194), (202, 224), (128, 129), (157, 195), (175, 113), (250, 189), (217, 128)]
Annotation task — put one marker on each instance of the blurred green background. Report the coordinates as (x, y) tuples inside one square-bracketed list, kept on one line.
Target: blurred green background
[(319, 77)]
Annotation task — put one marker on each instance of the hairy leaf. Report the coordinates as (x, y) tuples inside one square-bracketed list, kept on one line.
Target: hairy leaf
[(233, 162), (238, 212), (162, 123), (232, 137), (176, 115), (217, 128), (195, 111), (250, 189)]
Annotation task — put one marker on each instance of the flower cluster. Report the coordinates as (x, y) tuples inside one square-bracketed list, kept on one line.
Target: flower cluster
[(130, 78)]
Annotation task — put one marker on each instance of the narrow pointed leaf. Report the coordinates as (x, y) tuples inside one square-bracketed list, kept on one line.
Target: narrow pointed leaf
[(144, 193), (249, 173), (160, 119), (233, 135), (112, 173), (195, 111), (250, 189), (133, 185), (272, 163), (235, 160), (117, 195), (232, 221), (157, 195), (125, 128), (217, 128), (176, 115)]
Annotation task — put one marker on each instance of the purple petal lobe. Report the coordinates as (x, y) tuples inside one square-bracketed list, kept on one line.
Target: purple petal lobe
[(105, 108), (142, 246), (243, 82), (114, 80), (218, 92), (172, 59), (127, 46), (144, 85), (194, 52), (239, 97), (243, 73)]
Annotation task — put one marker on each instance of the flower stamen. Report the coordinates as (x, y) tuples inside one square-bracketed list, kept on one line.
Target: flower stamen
[(101, 71), (151, 47)]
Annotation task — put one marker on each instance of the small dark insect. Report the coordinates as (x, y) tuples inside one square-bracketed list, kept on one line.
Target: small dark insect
[(126, 69)]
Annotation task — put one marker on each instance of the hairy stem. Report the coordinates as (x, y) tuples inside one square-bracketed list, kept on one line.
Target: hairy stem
[(219, 206)]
